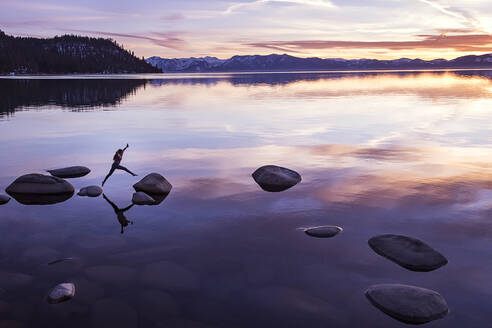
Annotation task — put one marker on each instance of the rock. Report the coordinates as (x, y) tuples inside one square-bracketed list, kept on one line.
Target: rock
[(323, 231), (88, 292), (408, 252), (113, 313), (298, 307), (275, 178), (153, 183), (14, 279), (61, 293), (157, 306), (39, 184), (38, 255), (141, 198), (111, 274), (158, 198), (169, 276), (90, 191), (37, 199), (408, 304), (11, 324), (70, 172), (4, 199)]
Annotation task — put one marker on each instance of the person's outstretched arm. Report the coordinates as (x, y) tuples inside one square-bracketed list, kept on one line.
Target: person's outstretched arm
[(125, 147), (111, 203), (127, 208)]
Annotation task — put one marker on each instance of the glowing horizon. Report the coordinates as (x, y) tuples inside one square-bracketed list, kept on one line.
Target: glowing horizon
[(426, 29)]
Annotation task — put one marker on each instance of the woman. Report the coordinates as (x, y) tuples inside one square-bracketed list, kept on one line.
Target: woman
[(118, 156)]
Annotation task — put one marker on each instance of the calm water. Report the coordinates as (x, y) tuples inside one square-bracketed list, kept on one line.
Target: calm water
[(404, 153)]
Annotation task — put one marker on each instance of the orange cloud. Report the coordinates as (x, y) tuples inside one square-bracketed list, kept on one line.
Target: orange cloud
[(460, 42)]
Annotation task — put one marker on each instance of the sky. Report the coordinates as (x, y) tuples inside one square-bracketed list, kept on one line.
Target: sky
[(382, 29)]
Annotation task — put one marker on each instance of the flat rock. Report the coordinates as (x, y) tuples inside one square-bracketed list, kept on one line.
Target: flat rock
[(275, 178), (157, 306), (90, 191), (11, 324), (169, 276), (70, 172), (141, 198), (323, 231), (153, 183), (4, 199), (111, 274), (39, 184), (408, 252), (409, 304), (14, 279), (298, 307), (61, 293), (38, 255), (111, 312)]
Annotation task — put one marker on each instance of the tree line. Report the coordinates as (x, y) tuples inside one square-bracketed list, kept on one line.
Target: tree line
[(67, 54)]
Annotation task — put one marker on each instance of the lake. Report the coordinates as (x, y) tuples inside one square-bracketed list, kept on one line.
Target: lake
[(379, 152)]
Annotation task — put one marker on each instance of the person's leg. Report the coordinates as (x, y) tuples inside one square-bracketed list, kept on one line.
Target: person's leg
[(125, 169), (113, 167)]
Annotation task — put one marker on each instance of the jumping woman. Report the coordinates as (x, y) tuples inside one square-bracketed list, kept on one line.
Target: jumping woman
[(118, 156)]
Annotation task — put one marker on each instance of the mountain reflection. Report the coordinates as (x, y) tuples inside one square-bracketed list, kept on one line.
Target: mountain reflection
[(69, 93), (82, 94)]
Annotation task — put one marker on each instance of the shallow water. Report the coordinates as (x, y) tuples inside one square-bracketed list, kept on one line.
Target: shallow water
[(405, 153)]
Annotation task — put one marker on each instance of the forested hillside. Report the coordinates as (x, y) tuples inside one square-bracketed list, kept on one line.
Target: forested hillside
[(67, 54)]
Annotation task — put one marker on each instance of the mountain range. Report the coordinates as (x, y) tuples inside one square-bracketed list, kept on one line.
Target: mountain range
[(274, 62)]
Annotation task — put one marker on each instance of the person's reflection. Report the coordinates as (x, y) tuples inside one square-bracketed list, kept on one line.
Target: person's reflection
[(120, 213)]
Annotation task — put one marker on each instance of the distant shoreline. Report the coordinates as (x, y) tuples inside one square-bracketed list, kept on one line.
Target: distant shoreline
[(201, 74)]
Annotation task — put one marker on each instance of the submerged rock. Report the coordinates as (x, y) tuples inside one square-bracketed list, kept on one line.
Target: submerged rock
[(141, 198), (153, 183), (409, 304), (169, 276), (90, 191), (275, 178), (111, 274), (14, 279), (70, 172), (408, 252), (39, 184), (4, 199), (323, 231), (111, 312), (61, 293)]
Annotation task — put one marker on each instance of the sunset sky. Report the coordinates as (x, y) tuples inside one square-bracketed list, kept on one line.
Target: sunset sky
[(325, 28)]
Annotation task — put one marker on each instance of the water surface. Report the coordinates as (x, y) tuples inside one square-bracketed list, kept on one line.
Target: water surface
[(390, 152)]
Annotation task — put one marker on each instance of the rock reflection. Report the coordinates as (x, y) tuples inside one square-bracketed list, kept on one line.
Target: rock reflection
[(120, 213), (38, 199)]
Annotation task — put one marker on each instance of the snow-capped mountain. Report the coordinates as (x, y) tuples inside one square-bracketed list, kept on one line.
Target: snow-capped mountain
[(256, 63)]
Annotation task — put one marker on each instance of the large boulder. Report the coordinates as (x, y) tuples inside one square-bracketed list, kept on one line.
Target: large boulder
[(153, 183), (408, 252), (409, 304), (323, 231), (141, 198), (4, 199), (39, 184), (90, 191), (70, 172), (275, 178)]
